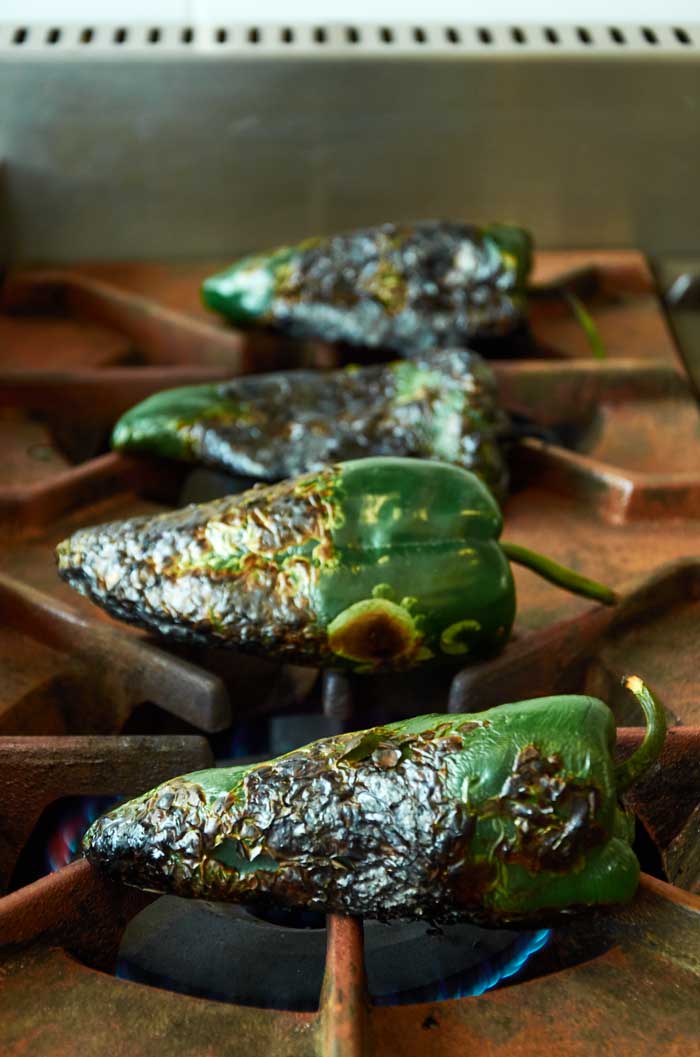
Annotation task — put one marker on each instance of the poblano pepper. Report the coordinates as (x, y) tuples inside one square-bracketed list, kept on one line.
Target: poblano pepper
[(407, 287), (272, 426), (369, 565), (503, 817)]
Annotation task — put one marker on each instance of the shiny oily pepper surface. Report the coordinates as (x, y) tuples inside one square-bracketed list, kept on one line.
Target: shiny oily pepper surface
[(407, 287), (370, 565), (280, 425), (505, 817)]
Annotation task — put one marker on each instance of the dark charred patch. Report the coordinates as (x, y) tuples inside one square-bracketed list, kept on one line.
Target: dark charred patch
[(398, 286), (285, 515), (373, 636), (183, 574), (388, 286), (305, 420), (378, 836), (552, 813), (362, 825), (469, 883), (157, 841)]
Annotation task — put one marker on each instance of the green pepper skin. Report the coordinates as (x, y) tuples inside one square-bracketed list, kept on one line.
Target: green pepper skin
[(273, 426), (506, 817), (369, 565), (410, 287)]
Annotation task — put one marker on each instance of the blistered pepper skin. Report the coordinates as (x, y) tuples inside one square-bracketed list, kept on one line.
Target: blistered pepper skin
[(407, 287), (273, 426), (506, 817), (370, 565)]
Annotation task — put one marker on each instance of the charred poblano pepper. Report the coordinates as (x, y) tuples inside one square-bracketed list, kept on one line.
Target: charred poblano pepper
[(407, 287), (503, 817), (272, 426), (375, 564)]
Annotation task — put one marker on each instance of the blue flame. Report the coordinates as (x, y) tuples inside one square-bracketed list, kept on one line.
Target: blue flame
[(476, 979), (490, 973), (64, 845)]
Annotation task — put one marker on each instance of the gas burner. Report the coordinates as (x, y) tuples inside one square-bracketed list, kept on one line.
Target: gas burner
[(628, 972), (275, 960), (74, 816)]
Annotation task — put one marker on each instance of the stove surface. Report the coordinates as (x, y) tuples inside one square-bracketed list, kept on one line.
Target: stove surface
[(91, 708)]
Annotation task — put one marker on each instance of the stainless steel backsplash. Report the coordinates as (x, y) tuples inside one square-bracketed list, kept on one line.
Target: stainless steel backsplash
[(190, 151)]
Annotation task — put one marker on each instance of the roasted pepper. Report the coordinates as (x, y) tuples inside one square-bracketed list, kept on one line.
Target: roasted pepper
[(272, 426), (407, 287), (504, 817), (368, 565)]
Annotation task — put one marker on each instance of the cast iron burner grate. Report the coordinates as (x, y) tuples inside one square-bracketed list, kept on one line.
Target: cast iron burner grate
[(91, 708), (607, 971)]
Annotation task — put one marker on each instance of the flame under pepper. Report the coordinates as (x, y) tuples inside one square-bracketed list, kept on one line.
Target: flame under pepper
[(407, 287), (280, 425), (508, 816), (369, 565)]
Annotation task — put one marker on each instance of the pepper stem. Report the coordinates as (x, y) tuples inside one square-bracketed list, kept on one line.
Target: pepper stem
[(587, 323), (559, 574), (627, 772)]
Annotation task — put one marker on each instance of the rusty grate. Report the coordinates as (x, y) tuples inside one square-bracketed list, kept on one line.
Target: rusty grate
[(621, 499), (629, 979), (36, 771)]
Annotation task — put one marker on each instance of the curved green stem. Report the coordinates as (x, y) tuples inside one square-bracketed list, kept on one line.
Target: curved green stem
[(627, 772), (573, 286), (559, 574), (586, 322)]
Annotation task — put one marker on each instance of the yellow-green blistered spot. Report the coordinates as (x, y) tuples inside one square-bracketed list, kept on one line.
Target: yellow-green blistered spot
[(383, 591), (457, 638), (374, 631)]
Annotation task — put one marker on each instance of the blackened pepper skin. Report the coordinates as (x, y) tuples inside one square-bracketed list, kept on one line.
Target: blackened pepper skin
[(369, 565), (504, 817), (272, 426), (407, 287)]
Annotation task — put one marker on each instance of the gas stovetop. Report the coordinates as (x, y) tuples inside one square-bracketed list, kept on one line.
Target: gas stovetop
[(91, 710)]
